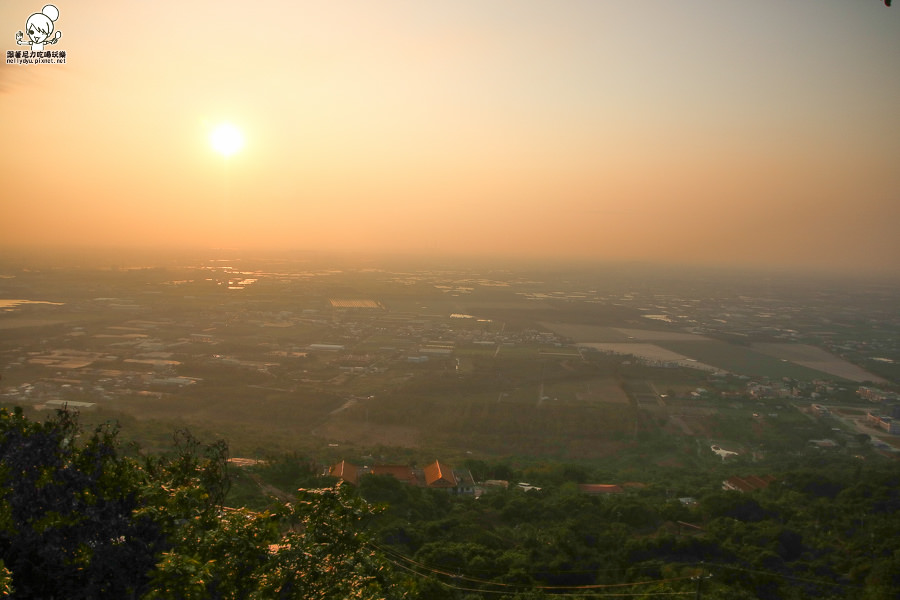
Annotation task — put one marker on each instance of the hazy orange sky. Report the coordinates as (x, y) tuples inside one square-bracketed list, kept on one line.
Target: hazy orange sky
[(754, 132)]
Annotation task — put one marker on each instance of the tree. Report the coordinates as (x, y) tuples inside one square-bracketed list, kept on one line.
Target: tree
[(68, 527), (884, 579), (77, 520), (311, 549)]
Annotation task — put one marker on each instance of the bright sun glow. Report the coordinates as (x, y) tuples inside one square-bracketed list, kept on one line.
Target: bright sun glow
[(226, 139)]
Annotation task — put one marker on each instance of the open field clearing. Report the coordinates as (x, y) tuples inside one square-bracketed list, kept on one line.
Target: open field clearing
[(28, 322), (520, 422), (606, 390), (601, 334), (798, 361), (22, 321), (816, 358), (741, 359), (651, 335), (367, 434), (586, 333), (650, 352)]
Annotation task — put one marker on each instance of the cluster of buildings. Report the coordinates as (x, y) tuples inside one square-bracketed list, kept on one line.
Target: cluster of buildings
[(441, 476), (888, 418), (873, 394), (437, 475)]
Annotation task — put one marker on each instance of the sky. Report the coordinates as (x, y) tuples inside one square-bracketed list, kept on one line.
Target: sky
[(763, 133)]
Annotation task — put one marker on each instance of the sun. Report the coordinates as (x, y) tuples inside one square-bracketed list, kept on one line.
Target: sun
[(226, 139)]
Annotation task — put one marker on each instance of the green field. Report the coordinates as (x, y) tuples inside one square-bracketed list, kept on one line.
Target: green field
[(741, 360)]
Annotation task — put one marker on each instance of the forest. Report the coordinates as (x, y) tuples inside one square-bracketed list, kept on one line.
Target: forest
[(83, 515)]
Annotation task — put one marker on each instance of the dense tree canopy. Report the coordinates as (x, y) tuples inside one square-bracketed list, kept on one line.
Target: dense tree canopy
[(819, 531), (80, 520)]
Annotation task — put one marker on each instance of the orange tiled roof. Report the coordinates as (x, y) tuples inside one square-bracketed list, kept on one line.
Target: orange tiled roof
[(599, 488), (634, 484), (400, 472), (345, 471), (438, 475), (750, 483)]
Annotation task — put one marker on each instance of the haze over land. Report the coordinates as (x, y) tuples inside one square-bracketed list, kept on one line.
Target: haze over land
[(339, 358), (752, 133), (604, 428)]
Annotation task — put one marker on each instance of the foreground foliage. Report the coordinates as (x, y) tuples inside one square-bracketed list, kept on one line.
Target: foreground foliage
[(80, 520), (824, 530)]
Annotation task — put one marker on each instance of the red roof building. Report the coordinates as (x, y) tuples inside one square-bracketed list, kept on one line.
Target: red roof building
[(439, 476), (345, 472), (747, 484), (399, 472), (599, 489), (436, 475)]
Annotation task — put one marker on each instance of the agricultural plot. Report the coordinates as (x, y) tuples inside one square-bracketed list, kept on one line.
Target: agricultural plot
[(594, 391), (651, 353), (653, 335), (644, 395), (579, 332), (495, 425), (818, 359), (741, 359), (775, 360), (605, 390), (586, 333), (365, 434)]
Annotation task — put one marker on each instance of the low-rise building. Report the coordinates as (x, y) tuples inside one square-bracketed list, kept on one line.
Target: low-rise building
[(402, 473), (600, 489), (345, 471), (437, 475), (747, 484), (326, 347), (882, 422)]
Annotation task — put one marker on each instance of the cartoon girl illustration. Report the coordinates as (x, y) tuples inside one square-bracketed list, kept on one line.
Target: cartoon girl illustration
[(40, 26)]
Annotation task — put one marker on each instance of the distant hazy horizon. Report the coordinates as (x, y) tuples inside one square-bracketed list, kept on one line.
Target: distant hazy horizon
[(748, 134), (13, 258)]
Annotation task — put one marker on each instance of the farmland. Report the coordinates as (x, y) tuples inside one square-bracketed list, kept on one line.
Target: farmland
[(774, 360), (347, 361), (818, 359)]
